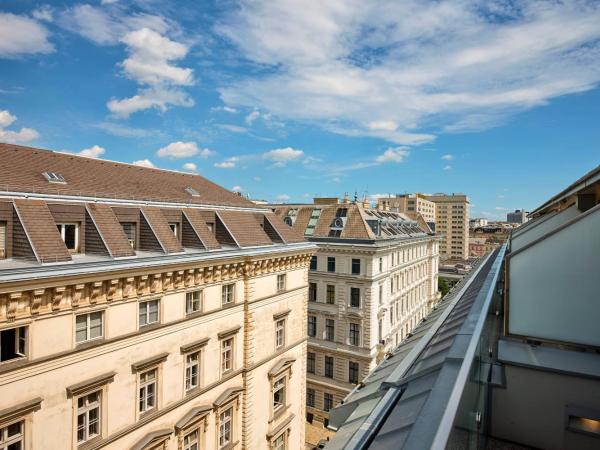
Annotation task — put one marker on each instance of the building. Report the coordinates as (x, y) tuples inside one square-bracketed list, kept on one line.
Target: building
[(452, 221), (403, 203), (508, 359), (518, 216), (145, 309), (372, 280), (478, 222)]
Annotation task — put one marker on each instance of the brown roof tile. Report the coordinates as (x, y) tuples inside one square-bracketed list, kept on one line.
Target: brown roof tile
[(325, 220), (195, 219), (39, 225), (22, 168), (302, 219), (356, 227), (110, 230), (161, 229), (245, 228), (287, 233)]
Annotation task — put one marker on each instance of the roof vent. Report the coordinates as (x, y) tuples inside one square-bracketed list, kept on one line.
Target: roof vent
[(54, 177), (288, 221), (339, 223), (193, 192)]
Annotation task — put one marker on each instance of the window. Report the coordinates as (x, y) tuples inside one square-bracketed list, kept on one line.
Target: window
[(330, 297), (225, 427), (191, 441), (148, 312), (88, 327), (88, 417), (380, 331), (226, 355), (13, 343), (312, 326), (329, 329), (313, 262), (355, 297), (310, 397), (193, 301), (129, 230), (279, 394), (227, 293), (69, 232), (280, 333), (312, 292), (192, 371), (356, 266), (279, 443), (353, 372), (53, 177), (327, 401), (12, 436), (2, 240), (174, 228), (281, 282), (310, 417), (381, 264), (381, 294), (329, 366), (147, 390), (331, 264), (354, 334), (311, 362)]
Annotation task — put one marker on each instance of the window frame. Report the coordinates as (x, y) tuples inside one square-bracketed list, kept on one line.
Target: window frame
[(313, 263), (20, 438), (222, 359), (85, 410), (354, 263), (158, 312), (221, 422), (352, 303), (227, 294), (21, 343), (351, 370), (188, 388), (331, 264), (326, 363), (144, 385), (329, 337), (312, 291), (330, 294), (200, 302), (311, 362), (308, 325), (280, 332), (327, 398), (88, 327), (281, 282), (354, 334), (278, 408), (61, 228)]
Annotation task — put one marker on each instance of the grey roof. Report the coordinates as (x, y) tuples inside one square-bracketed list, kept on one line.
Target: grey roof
[(406, 400)]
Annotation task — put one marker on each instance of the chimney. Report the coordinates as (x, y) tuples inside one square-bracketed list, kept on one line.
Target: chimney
[(346, 198)]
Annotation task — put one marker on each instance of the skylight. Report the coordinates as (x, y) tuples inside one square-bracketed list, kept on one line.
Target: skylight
[(54, 177), (193, 192)]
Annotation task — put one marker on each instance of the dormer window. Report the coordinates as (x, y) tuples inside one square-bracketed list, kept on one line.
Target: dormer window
[(193, 192), (54, 177), (69, 232), (175, 229)]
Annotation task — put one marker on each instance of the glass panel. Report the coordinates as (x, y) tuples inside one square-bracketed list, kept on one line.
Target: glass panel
[(81, 427), (143, 310), (95, 325), (153, 313), (70, 236)]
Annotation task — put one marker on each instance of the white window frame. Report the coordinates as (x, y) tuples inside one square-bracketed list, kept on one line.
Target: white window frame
[(147, 314), (85, 411), (143, 406), (228, 294), (190, 301), (21, 342), (227, 350), (88, 327), (62, 231), (195, 440), (281, 282), (5, 440), (226, 417), (280, 333), (174, 226), (279, 385), (190, 363), (350, 341)]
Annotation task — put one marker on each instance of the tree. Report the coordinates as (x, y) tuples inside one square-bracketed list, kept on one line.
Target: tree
[(443, 286)]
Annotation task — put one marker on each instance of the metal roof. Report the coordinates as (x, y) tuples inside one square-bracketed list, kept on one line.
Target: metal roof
[(410, 399)]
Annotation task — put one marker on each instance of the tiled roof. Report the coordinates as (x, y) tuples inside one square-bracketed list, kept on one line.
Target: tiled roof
[(22, 168), (110, 230), (287, 234), (43, 236), (195, 219), (244, 228), (161, 229)]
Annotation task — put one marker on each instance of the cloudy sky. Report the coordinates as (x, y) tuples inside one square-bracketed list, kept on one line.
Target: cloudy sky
[(288, 99)]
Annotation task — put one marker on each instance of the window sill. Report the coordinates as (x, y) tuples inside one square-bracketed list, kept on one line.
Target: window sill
[(278, 413), (230, 446), (89, 444)]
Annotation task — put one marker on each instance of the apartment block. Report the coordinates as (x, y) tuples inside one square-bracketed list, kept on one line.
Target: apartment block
[(372, 280), (145, 309), (409, 203), (452, 221)]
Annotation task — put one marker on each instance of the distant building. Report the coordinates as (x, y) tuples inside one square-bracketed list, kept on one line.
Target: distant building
[(518, 216), (416, 203), (373, 279), (452, 220), (508, 358), (478, 222)]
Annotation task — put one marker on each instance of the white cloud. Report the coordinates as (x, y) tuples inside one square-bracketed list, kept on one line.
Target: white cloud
[(397, 155), (125, 131), (178, 149), (14, 137), (237, 189), (392, 69), (20, 35), (447, 157), (226, 109), (43, 13), (92, 152), (448, 167), (282, 197), (190, 166), (252, 117), (232, 128), (150, 64), (281, 156), (229, 163), (143, 163)]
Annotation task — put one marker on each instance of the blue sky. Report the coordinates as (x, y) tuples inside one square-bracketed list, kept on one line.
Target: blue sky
[(289, 99)]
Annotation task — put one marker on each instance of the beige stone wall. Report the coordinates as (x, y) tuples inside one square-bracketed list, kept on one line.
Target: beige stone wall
[(55, 363)]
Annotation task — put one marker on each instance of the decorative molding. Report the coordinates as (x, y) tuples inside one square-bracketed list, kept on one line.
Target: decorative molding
[(88, 385), (149, 362), (194, 345), (230, 332), (20, 410)]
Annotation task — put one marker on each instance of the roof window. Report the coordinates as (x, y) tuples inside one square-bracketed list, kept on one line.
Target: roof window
[(54, 177), (193, 192)]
